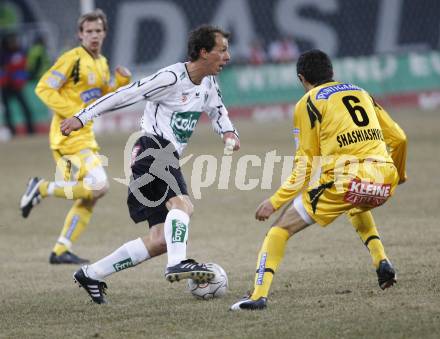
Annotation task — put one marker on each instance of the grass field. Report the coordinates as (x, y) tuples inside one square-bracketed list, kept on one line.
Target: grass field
[(326, 286)]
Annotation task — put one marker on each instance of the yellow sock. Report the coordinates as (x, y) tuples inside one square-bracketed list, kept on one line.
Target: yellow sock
[(366, 228), (269, 258), (43, 188), (76, 221), (74, 192)]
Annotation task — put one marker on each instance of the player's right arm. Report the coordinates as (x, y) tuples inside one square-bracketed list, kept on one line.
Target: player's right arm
[(152, 88), (395, 138), (48, 87), (307, 139)]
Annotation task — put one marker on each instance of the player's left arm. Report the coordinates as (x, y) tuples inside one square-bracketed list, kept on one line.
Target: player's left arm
[(395, 138), (219, 116)]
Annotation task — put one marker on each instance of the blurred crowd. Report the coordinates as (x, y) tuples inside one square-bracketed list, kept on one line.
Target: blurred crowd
[(18, 66), (282, 50)]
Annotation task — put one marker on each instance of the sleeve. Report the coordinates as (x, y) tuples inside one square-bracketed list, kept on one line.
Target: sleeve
[(395, 138), (217, 111), (152, 88), (306, 134), (115, 81), (48, 88)]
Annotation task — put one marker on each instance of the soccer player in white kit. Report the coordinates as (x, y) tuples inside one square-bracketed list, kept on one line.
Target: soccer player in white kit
[(175, 98)]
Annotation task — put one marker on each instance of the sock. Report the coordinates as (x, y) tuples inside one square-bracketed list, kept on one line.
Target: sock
[(43, 189), (176, 230), (366, 228), (68, 190), (76, 221), (128, 255), (269, 258)]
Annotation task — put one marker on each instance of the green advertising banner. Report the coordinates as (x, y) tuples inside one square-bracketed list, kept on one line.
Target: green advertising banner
[(380, 75)]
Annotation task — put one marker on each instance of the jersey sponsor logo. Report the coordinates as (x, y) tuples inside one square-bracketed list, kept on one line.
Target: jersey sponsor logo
[(178, 231), (367, 193), (326, 92), (123, 264), (91, 94), (261, 268), (183, 124)]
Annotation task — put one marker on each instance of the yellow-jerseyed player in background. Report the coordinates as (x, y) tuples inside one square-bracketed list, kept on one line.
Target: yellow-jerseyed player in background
[(79, 77), (340, 125)]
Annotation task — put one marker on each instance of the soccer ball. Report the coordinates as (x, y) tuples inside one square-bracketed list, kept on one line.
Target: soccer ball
[(215, 288)]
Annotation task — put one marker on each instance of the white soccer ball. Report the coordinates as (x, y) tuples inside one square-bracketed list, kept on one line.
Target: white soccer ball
[(215, 288)]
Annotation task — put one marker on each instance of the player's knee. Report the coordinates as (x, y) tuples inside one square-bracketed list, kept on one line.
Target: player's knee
[(182, 203), (101, 189), (189, 208), (96, 180)]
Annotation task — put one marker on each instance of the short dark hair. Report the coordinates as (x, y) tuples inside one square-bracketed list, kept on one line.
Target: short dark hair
[(95, 15), (315, 66), (203, 37)]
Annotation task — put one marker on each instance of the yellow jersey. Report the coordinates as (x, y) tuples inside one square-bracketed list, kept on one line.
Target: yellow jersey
[(75, 81), (337, 121)]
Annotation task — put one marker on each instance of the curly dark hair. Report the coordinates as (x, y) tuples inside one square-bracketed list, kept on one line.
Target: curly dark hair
[(203, 37), (315, 66)]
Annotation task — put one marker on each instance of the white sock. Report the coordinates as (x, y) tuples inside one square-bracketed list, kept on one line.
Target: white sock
[(176, 230), (50, 188), (128, 255)]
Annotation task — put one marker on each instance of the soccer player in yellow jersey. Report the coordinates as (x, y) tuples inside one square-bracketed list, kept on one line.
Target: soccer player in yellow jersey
[(342, 127), (79, 77)]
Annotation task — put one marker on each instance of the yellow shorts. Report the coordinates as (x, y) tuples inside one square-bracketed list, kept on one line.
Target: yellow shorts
[(85, 165), (370, 186)]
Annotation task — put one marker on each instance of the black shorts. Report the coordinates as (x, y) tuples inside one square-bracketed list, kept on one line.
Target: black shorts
[(156, 177)]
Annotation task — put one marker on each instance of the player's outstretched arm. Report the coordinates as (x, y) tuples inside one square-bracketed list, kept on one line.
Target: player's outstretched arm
[(69, 125)]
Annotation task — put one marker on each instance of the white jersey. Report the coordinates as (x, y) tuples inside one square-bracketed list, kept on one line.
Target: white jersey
[(174, 104)]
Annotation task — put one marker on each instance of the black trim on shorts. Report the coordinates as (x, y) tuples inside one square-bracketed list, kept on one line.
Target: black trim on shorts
[(315, 193)]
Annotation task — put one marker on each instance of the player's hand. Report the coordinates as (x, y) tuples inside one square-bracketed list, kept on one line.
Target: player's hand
[(123, 71), (264, 210), (69, 125), (402, 180), (232, 143)]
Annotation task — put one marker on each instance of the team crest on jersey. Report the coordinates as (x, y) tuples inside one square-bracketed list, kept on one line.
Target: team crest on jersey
[(184, 96), (183, 124), (326, 92)]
